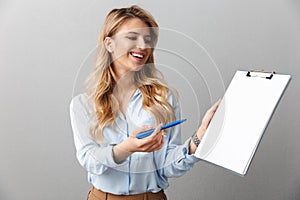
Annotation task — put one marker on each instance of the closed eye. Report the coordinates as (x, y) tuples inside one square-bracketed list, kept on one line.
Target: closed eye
[(147, 41), (132, 38)]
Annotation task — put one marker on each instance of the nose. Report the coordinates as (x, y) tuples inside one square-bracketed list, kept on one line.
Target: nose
[(141, 43)]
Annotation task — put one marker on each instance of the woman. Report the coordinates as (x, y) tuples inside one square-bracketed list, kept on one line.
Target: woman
[(126, 96)]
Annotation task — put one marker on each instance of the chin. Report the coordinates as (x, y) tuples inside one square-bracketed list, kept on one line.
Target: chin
[(138, 68)]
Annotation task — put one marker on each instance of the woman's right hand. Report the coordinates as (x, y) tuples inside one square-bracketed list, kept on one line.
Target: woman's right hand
[(132, 144), (148, 144)]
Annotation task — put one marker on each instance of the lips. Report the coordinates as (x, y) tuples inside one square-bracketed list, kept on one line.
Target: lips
[(138, 55)]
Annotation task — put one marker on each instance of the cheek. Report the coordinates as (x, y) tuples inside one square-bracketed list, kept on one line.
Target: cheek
[(122, 52), (149, 52), (119, 54), (123, 47)]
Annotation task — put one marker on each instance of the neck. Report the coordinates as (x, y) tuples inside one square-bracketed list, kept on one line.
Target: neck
[(125, 82), (124, 90)]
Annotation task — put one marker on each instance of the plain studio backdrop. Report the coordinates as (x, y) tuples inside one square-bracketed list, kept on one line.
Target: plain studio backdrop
[(47, 49)]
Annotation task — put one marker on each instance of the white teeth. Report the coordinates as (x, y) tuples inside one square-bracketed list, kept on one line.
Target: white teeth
[(137, 55)]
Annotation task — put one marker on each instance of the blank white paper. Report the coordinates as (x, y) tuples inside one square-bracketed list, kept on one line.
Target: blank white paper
[(238, 125)]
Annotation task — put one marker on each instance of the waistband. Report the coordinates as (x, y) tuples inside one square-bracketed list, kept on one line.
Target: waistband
[(100, 195)]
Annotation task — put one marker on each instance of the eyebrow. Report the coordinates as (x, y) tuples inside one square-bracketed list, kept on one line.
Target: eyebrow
[(136, 33)]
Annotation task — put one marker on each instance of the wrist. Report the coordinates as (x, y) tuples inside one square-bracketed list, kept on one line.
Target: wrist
[(195, 139), (200, 132), (119, 154), (120, 151), (125, 147)]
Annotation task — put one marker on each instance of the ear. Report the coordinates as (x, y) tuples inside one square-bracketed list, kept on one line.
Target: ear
[(108, 44)]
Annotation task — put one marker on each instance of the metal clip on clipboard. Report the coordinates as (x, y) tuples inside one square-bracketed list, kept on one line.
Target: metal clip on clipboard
[(261, 74)]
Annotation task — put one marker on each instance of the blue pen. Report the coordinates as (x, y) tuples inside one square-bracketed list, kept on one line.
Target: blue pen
[(147, 133)]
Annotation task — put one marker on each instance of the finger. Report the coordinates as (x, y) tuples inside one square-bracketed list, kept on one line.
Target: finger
[(157, 145), (210, 113), (207, 118), (215, 106), (160, 144), (156, 132), (152, 142)]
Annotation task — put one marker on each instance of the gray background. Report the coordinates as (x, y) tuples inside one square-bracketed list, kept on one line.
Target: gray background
[(43, 44)]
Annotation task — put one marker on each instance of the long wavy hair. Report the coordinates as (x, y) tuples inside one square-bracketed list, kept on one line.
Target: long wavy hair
[(101, 82)]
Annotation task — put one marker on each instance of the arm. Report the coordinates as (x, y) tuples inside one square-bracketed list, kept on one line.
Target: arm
[(98, 158), (93, 157), (204, 125), (132, 144), (179, 158), (175, 159)]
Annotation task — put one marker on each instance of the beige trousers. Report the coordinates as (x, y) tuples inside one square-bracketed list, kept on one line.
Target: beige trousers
[(95, 194)]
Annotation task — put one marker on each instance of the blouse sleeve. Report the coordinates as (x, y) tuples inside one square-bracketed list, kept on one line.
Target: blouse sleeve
[(93, 157), (177, 160)]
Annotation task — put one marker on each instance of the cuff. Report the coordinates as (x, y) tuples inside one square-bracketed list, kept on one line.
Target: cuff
[(108, 158), (188, 158)]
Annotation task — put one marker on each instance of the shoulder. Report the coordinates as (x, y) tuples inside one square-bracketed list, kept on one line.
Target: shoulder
[(173, 97), (79, 100), (81, 103)]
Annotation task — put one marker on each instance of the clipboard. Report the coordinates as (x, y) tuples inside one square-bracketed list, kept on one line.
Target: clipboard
[(241, 119)]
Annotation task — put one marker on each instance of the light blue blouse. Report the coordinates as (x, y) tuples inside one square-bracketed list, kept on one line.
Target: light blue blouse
[(141, 172)]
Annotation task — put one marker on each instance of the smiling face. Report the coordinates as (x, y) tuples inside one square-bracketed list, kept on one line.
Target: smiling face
[(130, 47)]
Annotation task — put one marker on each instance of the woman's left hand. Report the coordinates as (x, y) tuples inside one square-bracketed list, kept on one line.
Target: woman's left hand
[(204, 124), (207, 118)]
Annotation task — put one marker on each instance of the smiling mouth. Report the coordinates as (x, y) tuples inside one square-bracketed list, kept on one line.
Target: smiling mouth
[(137, 55)]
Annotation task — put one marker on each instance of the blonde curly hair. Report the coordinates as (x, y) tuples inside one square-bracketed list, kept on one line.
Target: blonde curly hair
[(101, 82)]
